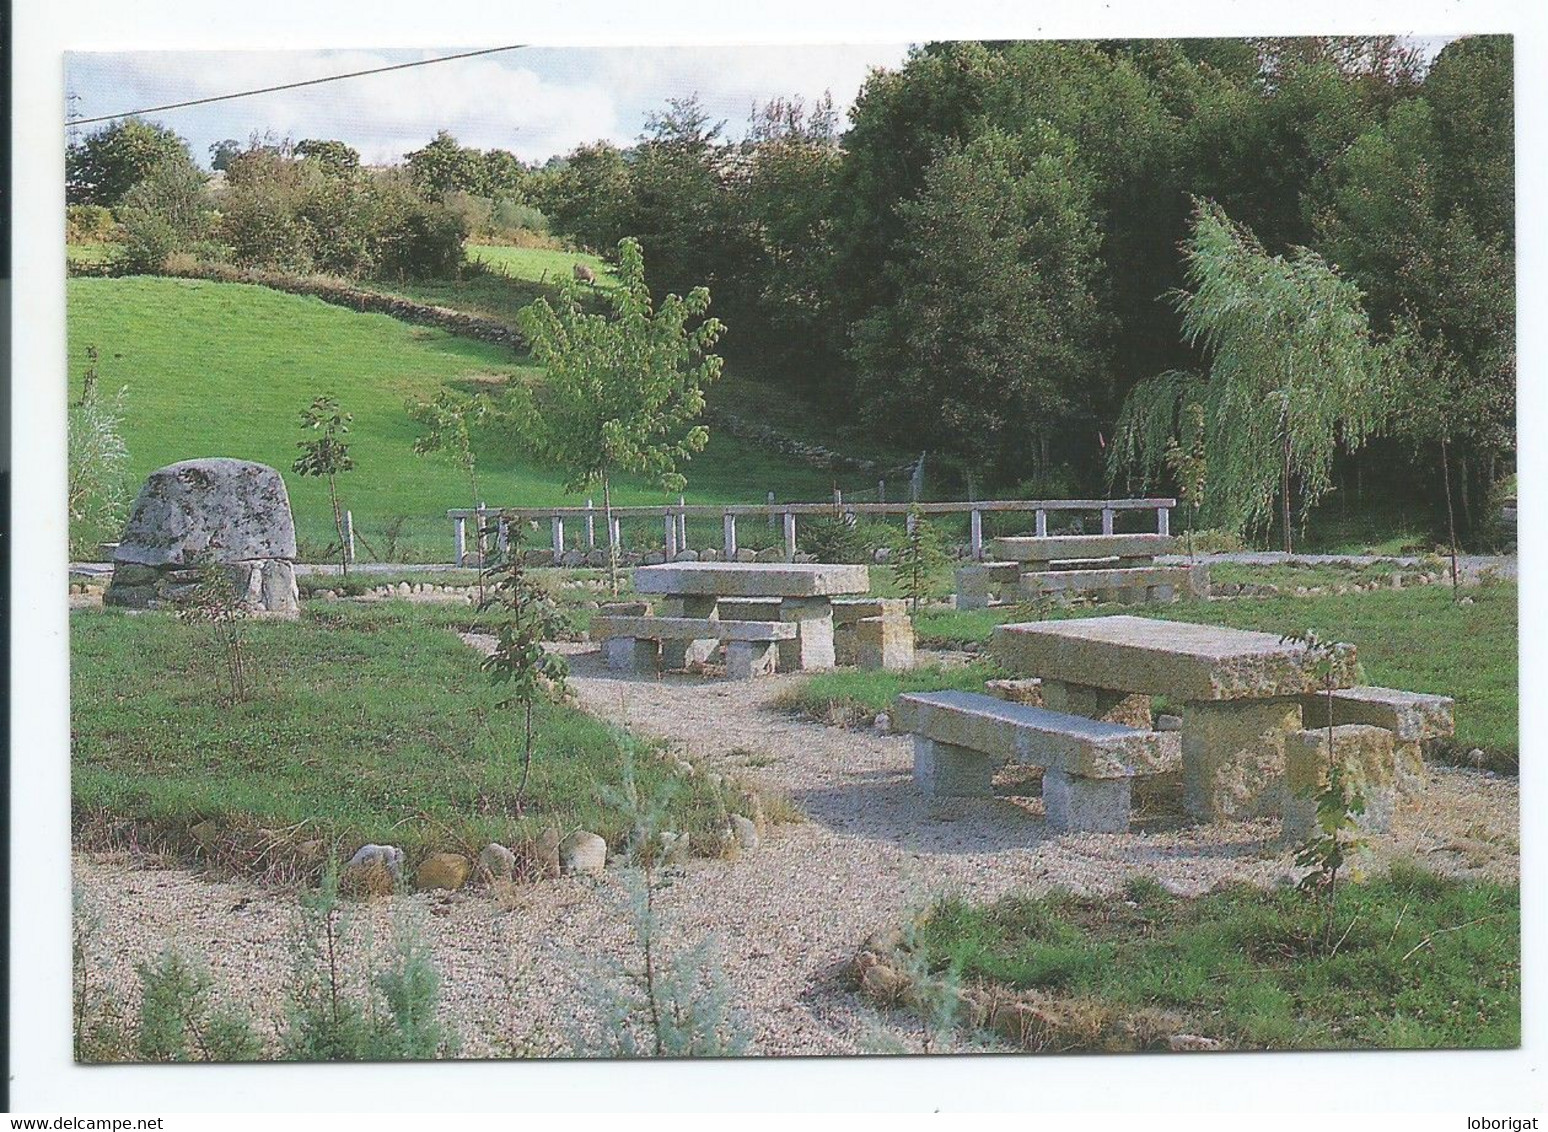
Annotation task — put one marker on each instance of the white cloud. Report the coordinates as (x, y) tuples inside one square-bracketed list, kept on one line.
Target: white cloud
[(535, 102)]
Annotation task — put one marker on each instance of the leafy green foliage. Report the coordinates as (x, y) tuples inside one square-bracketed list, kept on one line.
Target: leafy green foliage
[(996, 319), (338, 1012), (667, 1004), (1188, 463), (164, 213), (179, 1021)]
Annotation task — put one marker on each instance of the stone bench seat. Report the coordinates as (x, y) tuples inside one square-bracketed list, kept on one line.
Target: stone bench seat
[(980, 583), (1413, 718), (633, 644), (962, 738)]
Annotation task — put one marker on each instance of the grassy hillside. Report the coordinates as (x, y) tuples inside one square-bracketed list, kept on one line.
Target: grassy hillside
[(224, 369)]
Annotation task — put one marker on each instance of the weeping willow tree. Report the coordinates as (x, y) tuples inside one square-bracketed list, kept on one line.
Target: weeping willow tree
[(1293, 375)]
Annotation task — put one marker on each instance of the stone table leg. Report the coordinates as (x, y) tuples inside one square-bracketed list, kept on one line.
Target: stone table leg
[(1128, 709), (683, 654), (812, 647), (1234, 756)]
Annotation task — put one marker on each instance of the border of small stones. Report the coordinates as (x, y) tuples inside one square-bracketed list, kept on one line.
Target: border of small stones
[(1032, 1021), (1267, 589), (379, 870)]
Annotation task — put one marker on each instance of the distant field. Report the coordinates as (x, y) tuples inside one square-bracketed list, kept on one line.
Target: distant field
[(225, 369), (537, 264)]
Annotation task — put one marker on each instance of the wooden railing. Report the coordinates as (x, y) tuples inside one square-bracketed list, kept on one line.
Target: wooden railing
[(674, 518)]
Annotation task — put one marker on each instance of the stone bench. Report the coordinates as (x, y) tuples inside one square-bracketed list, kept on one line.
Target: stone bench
[(1131, 584), (962, 738), (632, 644), (984, 582), (1413, 718), (1041, 553), (873, 632)]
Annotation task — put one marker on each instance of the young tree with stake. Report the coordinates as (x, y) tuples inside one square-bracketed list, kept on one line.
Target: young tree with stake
[(327, 456)]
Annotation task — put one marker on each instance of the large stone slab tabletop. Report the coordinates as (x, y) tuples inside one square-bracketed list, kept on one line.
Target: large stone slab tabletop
[(751, 579), (1179, 660)]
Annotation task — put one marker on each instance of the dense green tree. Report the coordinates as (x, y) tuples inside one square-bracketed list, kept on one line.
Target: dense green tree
[(166, 212), (111, 161), (993, 345), (443, 166), (334, 157), (587, 196)]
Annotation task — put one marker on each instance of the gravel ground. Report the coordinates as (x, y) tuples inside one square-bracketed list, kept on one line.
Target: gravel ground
[(787, 916)]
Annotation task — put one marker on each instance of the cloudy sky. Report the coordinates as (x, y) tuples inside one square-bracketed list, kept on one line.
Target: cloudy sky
[(535, 101)]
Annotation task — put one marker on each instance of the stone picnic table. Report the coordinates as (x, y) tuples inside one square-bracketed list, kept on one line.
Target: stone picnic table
[(803, 591), (1240, 694)]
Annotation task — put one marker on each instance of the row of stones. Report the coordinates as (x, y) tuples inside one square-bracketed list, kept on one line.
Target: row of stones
[(1268, 589), (378, 870)]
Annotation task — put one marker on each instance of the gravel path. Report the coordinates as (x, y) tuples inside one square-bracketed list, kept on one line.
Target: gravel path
[(787, 916)]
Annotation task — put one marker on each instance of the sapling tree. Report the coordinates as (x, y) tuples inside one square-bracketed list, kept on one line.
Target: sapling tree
[(1294, 374), (214, 601), (327, 455), (623, 388), (920, 553), (449, 420), (519, 663), (1185, 459), (1332, 841)]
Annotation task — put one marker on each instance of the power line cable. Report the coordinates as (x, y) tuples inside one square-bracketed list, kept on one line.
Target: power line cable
[(293, 86)]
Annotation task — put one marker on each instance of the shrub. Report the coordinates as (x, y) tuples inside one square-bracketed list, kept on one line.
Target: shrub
[(427, 245), (166, 212), (98, 461), (89, 224), (178, 1020), (511, 216)]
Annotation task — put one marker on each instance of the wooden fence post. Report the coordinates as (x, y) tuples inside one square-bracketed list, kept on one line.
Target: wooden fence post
[(1163, 521), (682, 524), (558, 527), (671, 535), (790, 536), (591, 526), (349, 535), (977, 522), (1107, 520), (1041, 520), (729, 525)]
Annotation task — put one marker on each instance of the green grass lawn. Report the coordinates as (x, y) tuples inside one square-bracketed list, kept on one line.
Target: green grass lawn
[(364, 723), (1426, 963), (223, 369), (1416, 639)]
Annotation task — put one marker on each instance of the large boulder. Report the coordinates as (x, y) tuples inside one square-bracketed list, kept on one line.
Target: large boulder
[(217, 509), (233, 514)]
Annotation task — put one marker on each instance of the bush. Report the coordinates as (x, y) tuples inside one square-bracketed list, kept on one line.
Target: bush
[(165, 213), (427, 245), (512, 216), (89, 224)]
